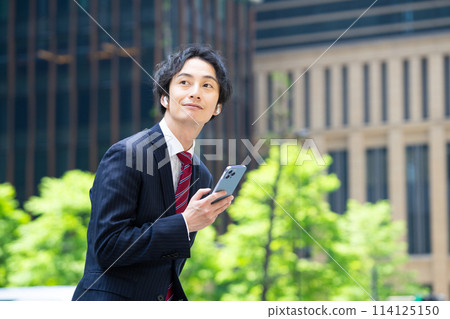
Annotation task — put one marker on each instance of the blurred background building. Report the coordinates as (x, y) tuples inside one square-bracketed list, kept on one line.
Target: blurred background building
[(378, 102), (68, 92)]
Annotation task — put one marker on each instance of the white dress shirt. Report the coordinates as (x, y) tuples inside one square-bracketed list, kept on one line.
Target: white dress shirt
[(174, 147)]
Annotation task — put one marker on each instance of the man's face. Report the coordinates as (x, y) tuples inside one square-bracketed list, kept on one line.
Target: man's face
[(194, 92)]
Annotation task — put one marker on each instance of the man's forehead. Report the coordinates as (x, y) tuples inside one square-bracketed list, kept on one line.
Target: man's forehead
[(195, 66)]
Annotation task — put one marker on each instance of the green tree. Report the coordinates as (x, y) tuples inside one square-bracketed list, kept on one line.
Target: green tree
[(199, 276), (286, 244), (51, 249), (266, 248), (11, 217), (374, 243)]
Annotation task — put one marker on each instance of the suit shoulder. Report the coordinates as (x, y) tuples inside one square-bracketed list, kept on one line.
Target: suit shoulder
[(201, 165), (138, 140)]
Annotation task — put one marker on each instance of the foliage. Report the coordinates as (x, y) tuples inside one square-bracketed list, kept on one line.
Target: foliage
[(11, 217), (374, 243), (200, 275), (286, 244), (51, 249)]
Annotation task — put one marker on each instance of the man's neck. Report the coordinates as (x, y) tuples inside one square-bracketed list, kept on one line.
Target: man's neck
[(185, 133)]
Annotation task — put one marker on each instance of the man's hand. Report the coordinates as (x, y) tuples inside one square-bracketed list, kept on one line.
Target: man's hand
[(200, 212)]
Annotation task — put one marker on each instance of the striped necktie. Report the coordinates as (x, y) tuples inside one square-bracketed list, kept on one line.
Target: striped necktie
[(182, 194)]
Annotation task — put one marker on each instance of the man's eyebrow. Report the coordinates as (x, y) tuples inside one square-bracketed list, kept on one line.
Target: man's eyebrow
[(191, 76)]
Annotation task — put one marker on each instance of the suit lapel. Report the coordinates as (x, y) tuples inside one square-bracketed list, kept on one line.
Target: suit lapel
[(195, 175), (161, 157)]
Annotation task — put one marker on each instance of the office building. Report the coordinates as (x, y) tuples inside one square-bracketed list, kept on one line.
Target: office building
[(373, 92), (68, 90)]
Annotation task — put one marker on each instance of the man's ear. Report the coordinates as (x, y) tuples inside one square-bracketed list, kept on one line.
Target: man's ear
[(164, 101), (218, 109)]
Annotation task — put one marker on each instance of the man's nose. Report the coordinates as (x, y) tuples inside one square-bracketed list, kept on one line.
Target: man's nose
[(195, 92)]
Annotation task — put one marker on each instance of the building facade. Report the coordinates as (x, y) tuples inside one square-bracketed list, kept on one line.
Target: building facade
[(68, 90), (377, 100)]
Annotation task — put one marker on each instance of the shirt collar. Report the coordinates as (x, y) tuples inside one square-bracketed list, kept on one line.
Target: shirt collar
[(173, 144)]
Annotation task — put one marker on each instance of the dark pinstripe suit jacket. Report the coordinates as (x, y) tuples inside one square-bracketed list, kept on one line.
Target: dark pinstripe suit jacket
[(137, 244)]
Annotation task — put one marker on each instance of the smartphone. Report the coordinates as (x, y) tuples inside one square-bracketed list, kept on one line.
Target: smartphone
[(229, 180)]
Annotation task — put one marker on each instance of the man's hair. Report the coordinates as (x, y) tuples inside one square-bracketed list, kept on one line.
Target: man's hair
[(167, 69)]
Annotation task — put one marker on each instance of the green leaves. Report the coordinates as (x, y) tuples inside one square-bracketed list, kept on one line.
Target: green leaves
[(286, 244), (50, 249), (11, 217)]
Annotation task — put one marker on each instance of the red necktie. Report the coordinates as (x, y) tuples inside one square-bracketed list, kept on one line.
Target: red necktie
[(182, 194)]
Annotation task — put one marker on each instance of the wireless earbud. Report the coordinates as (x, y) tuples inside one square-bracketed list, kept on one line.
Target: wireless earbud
[(165, 101), (218, 107)]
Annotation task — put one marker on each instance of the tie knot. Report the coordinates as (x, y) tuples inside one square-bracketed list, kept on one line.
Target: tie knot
[(185, 158)]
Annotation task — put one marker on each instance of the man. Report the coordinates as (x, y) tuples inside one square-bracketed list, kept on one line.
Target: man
[(148, 200)]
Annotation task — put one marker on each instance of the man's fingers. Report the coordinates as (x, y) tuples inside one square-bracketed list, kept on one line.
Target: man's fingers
[(200, 193), (223, 203), (216, 195)]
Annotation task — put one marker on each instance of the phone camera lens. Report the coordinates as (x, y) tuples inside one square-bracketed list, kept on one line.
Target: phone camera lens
[(229, 174)]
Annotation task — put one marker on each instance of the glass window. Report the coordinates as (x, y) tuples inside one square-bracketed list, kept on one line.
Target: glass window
[(21, 26), (82, 160), (269, 102), (307, 10), (104, 115), (447, 85), (21, 114), (83, 72), (126, 125), (377, 174), (448, 193), (3, 98), (406, 102), (83, 28), (104, 19), (21, 79), (83, 107), (366, 94), (307, 100), (149, 110), (62, 26), (384, 92), (62, 111), (40, 160), (418, 198), (19, 166), (424, 88), (61, 152), (2, 160), (327, 98), (198, 8), (290, 100), (41, 112), (3, 30), (338, 199), (344, 95), (126, 23), (371, 26), (3, 13)]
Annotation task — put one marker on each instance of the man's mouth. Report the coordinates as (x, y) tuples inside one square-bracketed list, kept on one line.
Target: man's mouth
[(193, 105)]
